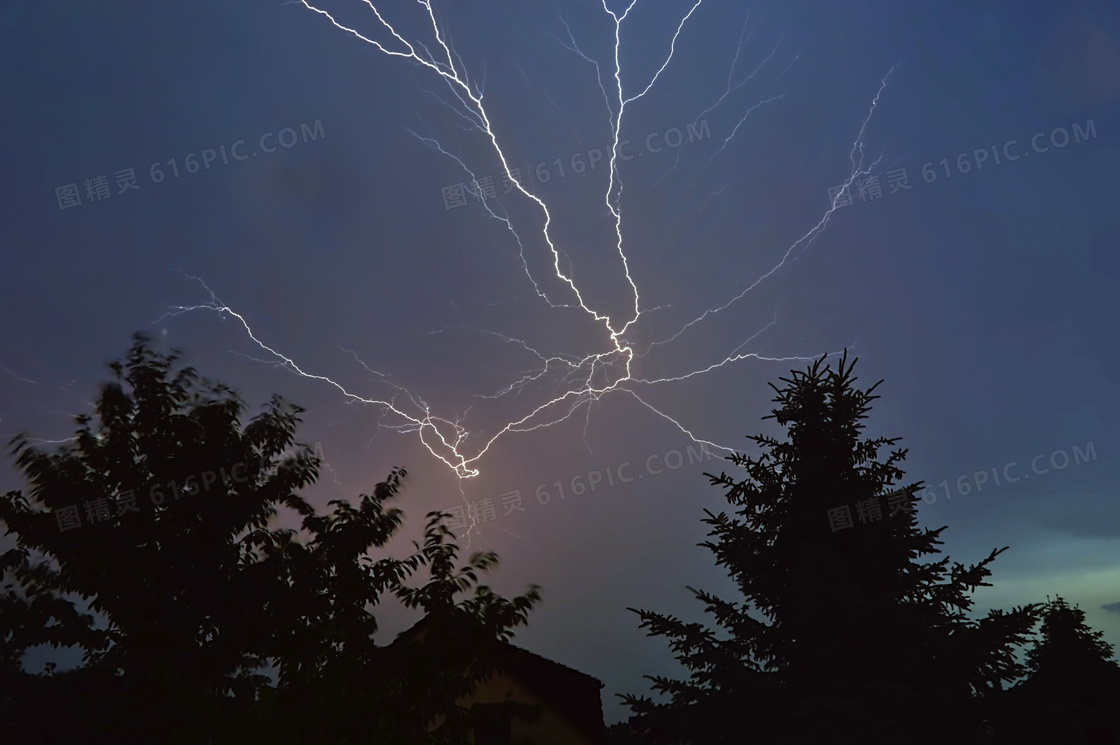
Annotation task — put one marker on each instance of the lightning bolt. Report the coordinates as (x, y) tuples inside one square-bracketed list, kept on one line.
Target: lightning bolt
[(22, 380), (577, 380)]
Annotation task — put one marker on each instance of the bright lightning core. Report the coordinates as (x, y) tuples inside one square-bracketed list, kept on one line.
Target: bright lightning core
[(576, 380)]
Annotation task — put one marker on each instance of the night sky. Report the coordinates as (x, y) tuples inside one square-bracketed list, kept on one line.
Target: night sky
[(985, 293)]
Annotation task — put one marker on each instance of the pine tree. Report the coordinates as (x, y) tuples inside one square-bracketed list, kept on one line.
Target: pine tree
[(1072, 694), (841, 635), (1068, 646)]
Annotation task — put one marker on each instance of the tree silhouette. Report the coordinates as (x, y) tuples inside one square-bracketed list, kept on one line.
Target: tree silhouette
[(841, 635), (178, 594), (1072, 694)]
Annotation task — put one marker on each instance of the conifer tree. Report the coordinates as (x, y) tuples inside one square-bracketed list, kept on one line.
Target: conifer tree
[(841, 633), (1072, 693)]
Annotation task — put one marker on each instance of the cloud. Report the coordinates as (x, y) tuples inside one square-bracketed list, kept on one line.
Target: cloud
[(1111, 607)]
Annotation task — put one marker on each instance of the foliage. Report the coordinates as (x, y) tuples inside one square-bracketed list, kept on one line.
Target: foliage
[(178, 608), (839, 635), (1072, 694)]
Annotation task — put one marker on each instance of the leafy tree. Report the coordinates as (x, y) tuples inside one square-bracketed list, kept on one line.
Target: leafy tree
[(178, 594), (1072, 694), (841, 635)]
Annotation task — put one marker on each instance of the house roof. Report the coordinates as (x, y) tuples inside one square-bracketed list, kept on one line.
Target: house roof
[(574, 694)]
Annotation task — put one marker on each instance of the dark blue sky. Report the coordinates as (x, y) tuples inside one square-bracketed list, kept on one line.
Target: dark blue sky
[(985, 293)]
